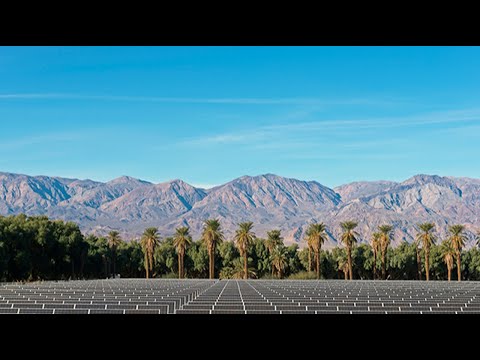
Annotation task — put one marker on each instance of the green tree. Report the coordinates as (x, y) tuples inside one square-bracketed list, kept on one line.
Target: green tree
[(243, 238), (197, 254), (212, 235), (458, 239), (402, 261), (448, 252), (349, 238), (279, 260), (362, 261), (114, 241), (428, 239), (150, 240), (375, 243), (274, 239), (316, 233), (308, 239), (385, 234), (343, 265), (182, 240)]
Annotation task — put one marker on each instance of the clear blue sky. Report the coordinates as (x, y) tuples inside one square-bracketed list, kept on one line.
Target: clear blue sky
[(211, 114)]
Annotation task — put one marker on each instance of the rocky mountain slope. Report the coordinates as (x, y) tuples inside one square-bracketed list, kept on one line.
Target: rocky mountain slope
[(270, 201)]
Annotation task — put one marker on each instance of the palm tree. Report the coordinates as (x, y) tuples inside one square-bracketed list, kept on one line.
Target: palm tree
[(150, 240), (211, 236), (243, 238), (316, 237), (478, 238), (279, 259), (181, 241), (308, 240), (458, 239), (343, 265), (385, 234), (114, 240), (375, 242), (274, 239), (428, 239), (448, 252), (349, 237)]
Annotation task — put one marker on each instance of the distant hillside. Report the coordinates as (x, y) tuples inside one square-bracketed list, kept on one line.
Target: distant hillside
[(270, 201)]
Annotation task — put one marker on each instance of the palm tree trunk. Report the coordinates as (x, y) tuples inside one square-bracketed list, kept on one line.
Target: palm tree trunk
[(309, 259), (374, 265), (349, 253), (384, 265), (183, 266), (345, 273), (245, 266), (449, 270), (317, 259), (179, 266), (459, 267), (212, 269), (427, 263), (114, 263), (146, 264), (419, 266)]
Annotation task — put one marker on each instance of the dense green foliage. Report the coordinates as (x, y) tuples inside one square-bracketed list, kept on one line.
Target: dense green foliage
[(36, 248)]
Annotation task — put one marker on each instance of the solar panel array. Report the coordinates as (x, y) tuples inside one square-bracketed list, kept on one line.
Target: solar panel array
[(158, 296)]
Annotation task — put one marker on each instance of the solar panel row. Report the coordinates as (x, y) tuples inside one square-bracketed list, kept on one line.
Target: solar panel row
[(159, 296)]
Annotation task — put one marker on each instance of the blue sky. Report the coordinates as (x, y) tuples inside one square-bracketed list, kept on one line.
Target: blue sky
[(210, 114)]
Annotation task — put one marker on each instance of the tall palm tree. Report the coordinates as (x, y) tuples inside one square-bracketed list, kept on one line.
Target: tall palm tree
[(349, 238), (427, 238), (279, 259), (317, 235), (181, 241), (448, 252), (114, 240), (274, 239), (308, 240), (375, 242), (243, 238), (211, 236), (150, 240), (385, 234), (458, 239)]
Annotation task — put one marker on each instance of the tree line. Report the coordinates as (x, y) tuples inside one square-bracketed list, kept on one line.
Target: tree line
[(37, 248)]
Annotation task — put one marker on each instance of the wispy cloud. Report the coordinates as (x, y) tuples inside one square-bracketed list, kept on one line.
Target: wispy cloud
[(275, 133), (227, 138), (190, 100)]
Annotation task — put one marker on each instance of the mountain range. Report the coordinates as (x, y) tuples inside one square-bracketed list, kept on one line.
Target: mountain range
[(130, 205)]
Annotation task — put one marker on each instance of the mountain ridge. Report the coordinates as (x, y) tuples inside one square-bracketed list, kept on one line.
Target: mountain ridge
[(270, 201)]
